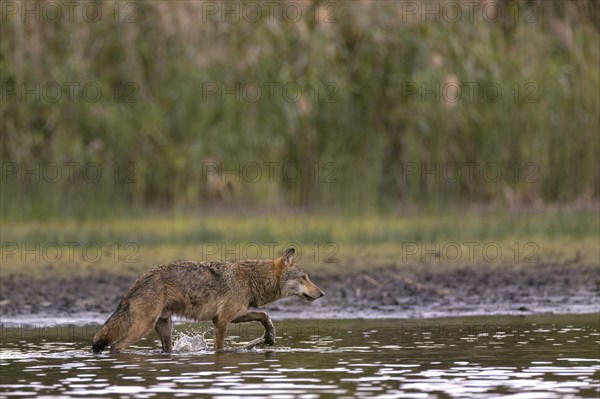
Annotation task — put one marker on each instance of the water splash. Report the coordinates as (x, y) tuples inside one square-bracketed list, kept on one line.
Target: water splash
[(189, 342)]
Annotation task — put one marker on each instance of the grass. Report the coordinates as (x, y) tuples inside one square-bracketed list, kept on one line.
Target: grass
[(329, 244), (362, 143)]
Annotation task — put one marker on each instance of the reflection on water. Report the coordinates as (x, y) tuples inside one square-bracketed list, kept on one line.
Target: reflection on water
[(527, 357)]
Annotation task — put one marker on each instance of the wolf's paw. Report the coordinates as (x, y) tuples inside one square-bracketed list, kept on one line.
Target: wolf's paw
[(254, 343), (269, 339)]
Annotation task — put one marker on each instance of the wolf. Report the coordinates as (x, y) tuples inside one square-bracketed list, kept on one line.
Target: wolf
[(221, 292)]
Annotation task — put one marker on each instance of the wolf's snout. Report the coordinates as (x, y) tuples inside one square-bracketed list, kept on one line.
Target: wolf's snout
[(313, 296), (318, 295)]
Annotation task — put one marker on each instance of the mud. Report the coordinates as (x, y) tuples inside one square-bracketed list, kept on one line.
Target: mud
[(392, 291)]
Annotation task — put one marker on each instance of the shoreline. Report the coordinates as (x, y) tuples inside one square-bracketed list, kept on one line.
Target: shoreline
[(395, 291), (99, 319)]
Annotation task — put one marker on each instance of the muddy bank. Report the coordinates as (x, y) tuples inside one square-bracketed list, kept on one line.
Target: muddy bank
[(391, 291)]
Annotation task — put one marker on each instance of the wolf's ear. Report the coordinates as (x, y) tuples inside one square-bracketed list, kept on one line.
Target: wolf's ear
[(289, 255)]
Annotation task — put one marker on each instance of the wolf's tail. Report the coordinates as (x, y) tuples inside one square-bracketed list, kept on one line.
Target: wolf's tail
[(114, 328)]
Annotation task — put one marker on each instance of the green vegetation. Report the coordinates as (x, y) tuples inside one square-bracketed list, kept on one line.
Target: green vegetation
[(333, 244), (359, 123)]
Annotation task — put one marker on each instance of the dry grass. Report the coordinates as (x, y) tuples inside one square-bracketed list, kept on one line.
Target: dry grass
[(329, 244)]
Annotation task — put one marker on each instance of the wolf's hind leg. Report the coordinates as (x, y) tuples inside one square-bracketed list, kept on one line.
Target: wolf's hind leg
[(164, 328), (265, 319), (142, 322), (133, 335)]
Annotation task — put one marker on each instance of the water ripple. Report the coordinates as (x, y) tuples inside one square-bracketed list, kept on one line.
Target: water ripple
[(534, 357)]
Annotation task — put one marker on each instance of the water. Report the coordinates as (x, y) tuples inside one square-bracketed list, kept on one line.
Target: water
[(475, 357)]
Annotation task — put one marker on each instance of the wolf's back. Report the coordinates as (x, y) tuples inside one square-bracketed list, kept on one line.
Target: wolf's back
[(114, 328)]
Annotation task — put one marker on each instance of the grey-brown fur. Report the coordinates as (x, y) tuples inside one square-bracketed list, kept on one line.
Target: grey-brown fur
[(217, 291)]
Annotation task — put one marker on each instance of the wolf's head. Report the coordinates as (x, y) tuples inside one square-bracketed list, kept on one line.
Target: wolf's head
[(294, 281)]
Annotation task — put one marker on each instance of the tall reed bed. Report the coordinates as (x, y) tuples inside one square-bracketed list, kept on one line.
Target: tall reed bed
[(354, 105)]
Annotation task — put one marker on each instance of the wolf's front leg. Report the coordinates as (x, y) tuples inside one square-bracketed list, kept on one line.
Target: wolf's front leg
[(269, 330), (265, 319), (164, 328)]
